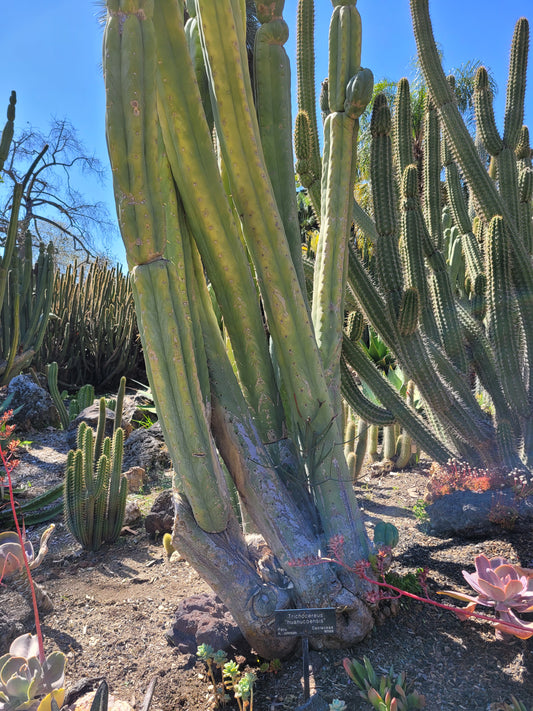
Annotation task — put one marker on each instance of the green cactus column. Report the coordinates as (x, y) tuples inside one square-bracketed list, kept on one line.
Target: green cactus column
[(273, 425), (306, 143), (285, 307), (272, 79), (188, 143), (350, 90), (148, 213)]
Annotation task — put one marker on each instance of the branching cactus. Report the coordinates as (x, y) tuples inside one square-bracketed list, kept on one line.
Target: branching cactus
[(248, 371), (453, 338), (25, 288), (95, 489), (265, 402)]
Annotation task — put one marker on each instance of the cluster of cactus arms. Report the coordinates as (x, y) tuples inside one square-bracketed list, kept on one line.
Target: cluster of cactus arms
[(449, 336), (95, 489), (248, 408), (204, 188), (25, 288), (361, 438), (92, 334)]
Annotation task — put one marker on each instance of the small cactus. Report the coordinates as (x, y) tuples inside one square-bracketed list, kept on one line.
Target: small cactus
[(386, 534), (95, 489)]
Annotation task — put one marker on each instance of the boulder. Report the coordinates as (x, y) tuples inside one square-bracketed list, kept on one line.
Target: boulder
[(472, 514), (90, 416), (161, 517), (146, 448), (33, 406), (204, 619)]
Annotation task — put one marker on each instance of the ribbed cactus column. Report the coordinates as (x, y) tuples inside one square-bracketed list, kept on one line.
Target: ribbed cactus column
[(285, 307), (25, 292), (494, 201), (350, 90), (272, 78), (262, 405), (306, 144), (148, 213)]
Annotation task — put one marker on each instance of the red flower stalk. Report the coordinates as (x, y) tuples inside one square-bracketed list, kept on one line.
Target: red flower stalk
[(9, 464)]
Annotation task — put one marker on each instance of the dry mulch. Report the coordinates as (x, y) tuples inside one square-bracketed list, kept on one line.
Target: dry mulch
[(112, 609)]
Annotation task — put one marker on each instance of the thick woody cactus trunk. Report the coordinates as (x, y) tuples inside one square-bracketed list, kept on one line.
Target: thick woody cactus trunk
[(247, 392)]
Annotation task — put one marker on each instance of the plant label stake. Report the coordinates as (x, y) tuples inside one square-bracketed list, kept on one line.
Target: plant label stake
[(304, 623)]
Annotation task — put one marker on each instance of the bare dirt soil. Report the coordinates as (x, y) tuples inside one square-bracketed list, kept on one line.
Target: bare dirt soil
[(113, 607)]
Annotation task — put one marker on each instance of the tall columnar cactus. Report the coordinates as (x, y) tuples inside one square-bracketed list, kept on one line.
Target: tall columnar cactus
[(446, 339), (263, 394), (95, 489), (191, 207), (25, 288)]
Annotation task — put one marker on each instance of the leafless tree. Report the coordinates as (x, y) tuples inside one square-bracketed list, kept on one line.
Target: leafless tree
[(51, 203)]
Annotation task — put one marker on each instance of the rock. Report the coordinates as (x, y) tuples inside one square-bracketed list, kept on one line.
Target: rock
[(146, 448), (161, 517), (133, 412), (90, 416), (132, 513), (204, 619), (85, 702), (16, 617), (472, 514), (136, 477), (315, 703), (37, 410), (80, 687)]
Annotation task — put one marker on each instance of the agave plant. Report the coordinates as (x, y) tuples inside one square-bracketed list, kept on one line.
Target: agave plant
[(28, 683), (505, 587), (389, 692)]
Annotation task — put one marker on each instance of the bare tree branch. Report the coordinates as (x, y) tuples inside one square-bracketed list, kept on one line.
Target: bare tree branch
[(51, 204)]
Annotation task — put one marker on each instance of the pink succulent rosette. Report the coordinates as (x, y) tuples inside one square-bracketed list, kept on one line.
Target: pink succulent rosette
[(505, 587)]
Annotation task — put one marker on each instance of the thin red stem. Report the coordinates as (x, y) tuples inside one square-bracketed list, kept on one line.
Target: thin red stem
[(461, 611), (9, 466)]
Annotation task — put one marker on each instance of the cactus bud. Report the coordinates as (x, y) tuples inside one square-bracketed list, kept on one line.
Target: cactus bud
[(358, 93)]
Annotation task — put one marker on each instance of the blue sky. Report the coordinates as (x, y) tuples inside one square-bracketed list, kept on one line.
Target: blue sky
[(52, 57)]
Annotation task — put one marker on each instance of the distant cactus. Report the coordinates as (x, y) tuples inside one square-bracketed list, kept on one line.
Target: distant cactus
[(95, 489), (93, 333), (84, 398), (25, 289)]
